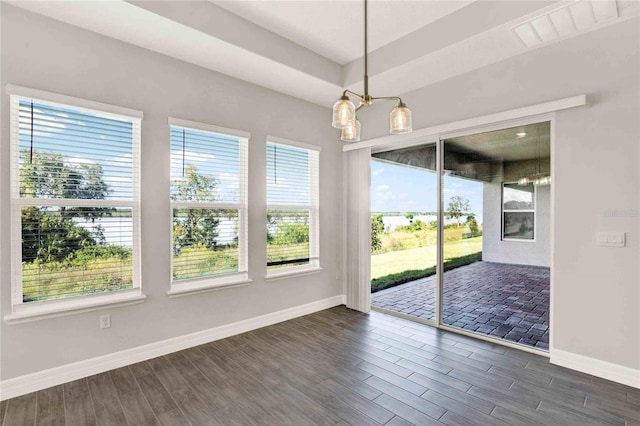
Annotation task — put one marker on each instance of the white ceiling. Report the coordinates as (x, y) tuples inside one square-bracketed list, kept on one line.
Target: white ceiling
[(312, 49), (334, 29)]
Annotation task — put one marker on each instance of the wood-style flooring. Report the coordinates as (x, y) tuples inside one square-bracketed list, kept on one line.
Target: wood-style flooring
[(335, 367)]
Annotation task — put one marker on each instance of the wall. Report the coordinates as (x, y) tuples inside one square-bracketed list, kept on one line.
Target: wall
[(525, 252), (596, 291), (44, 54)]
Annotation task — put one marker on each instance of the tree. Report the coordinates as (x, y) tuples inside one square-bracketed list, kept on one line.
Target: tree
[(377, 228), (410, 217), (458, 207), (195, 226), (52, 234), (474, 228)]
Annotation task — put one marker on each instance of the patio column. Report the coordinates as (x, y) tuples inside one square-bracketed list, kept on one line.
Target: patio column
[(358, 229)]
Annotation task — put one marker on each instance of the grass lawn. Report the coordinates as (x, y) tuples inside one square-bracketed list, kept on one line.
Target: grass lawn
[(420, 258)]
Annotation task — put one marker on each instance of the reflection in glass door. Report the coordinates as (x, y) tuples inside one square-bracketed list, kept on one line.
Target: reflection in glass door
[(404, 231), (495, 201)]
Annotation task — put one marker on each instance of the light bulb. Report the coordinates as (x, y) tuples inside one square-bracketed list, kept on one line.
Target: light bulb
[(400, 120), (344, 112), (523, 181), (351, 132)]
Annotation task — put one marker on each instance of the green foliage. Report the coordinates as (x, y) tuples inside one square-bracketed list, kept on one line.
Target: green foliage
[(53, 280), (49, 238), (291, 233), (377, 228), (194, 226), (474, 228), (95, 252), (396, 279), (457, 208), (415, 225), (198, 260)]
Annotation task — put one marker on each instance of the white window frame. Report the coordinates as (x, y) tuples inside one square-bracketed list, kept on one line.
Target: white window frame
[(314, 213), (234, 279), (535, 216), (30, 311)]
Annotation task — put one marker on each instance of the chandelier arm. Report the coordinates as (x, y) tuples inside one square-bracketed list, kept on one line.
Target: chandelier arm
[(349, 92), (386, 98)]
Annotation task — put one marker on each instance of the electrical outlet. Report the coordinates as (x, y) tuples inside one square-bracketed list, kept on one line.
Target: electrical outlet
[(105, 321)]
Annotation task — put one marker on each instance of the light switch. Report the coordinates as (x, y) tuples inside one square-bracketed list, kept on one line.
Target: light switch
[(611, 239)]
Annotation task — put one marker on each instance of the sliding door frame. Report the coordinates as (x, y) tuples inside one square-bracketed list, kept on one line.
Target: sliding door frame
[(439, 140)]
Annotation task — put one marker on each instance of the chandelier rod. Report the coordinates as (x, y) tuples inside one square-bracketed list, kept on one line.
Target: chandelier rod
[(366, 52)]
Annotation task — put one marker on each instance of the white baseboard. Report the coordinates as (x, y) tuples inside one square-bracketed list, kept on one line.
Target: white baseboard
[(55, 376), (595, 367)]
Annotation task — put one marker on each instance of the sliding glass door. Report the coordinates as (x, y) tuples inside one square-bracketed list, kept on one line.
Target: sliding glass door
[(404, 231), (468, 251)]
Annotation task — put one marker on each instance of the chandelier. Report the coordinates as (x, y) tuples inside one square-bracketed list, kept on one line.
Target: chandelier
[(344, 111)]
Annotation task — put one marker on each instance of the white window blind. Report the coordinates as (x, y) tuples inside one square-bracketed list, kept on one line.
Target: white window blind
[(75, 204), (292, 207), (209, 201)]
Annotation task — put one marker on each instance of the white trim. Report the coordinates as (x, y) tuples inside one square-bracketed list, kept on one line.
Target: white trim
[(606, 370), (30, 311), (283, 141), (534, 210), (27, 383), (227, 280), (290, 272), (34, 311), (471, 123), (75, 103), (200, 285), (194, 125)]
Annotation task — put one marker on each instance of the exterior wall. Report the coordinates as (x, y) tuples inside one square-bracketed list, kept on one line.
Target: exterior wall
[(494, 249), (595, 293), (44, 54)]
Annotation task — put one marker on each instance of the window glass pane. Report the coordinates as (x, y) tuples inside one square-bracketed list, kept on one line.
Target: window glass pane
[(287, 238), (205, 166), (69, 154), (72, 251), (288, 175), (205, 242), (519, 225), (518, 197)]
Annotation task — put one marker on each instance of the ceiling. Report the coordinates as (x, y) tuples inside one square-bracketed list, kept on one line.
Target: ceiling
[(313, 50), (529, 142), (334, 29)]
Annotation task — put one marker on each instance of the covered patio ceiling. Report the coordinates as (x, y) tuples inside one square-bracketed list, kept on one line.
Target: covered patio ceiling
[(481, 156)]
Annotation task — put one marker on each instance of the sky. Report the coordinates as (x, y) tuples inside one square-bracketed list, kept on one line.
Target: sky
[(399, 188)]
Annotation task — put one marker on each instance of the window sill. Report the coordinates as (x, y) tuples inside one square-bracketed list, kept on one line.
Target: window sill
[(289, 274), (201, 286), (59, 308)]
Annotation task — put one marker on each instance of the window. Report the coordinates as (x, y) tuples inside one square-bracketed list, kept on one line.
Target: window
[(75, 203), (518, 211), (292, 207), (209, 205)]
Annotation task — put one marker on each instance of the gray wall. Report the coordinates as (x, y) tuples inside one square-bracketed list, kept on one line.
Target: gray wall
[(525, 252), (45, 54), (596, 295)]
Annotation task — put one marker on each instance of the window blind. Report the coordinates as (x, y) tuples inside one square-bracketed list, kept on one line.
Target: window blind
[(292, 206), (208, 195), (74, 186)]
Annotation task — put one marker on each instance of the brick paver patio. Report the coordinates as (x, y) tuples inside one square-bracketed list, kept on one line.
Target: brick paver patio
[(501, 300)]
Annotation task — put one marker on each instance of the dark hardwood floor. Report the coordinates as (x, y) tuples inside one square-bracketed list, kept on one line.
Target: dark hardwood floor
[(335, 367)]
